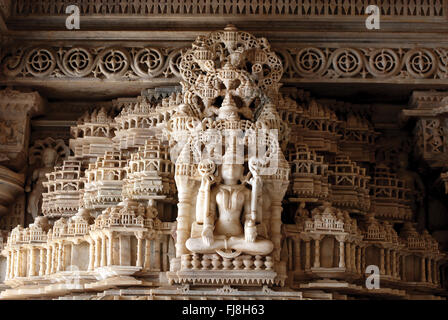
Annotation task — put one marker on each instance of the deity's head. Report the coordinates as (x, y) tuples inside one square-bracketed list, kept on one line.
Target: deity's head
[(232, 173), (49, 157)]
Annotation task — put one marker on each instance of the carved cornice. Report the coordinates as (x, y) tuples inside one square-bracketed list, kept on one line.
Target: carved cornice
[(411, 9), (19, 104), (427, 104), (304, 64)]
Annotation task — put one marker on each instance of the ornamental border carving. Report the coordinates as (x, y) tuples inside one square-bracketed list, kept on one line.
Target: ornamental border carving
[(301, 64)]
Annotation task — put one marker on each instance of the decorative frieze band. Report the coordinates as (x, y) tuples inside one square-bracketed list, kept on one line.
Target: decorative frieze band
[(303, 64), (284, 8)]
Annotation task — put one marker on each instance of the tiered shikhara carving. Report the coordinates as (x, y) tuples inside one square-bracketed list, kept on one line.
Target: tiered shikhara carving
[(309, 174), (104, 181), (216, 150), (150, 172), (137, 122), (318, 127), (63, 190), (349, 185), (390, 195), (92, 136)]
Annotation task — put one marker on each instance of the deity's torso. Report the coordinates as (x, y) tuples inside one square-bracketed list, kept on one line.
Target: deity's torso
[(230, 202)]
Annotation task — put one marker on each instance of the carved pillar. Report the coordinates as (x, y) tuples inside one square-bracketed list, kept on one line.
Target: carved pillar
[(32, 262), (16, 110), (157, 253), (8, 266), (297, 260), (429, 271), (110, 254), (358, 259), (97, 252), (183, 218), (341, 254), (423, 270), (147, 254), (277, 190), (394, 264), (307, 254), (317, 253), (54, 256), (63, 256), (18, 263), (353, 257), (103, 251), (91, 255), (428, 110), (437, 273), (348, 255), (387, 251), (382, 269), (403, 268), (49, 254), (59, 258), (41, 262), (139, 252)]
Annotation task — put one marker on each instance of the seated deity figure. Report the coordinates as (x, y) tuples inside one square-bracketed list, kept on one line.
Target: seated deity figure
[(221, 212)]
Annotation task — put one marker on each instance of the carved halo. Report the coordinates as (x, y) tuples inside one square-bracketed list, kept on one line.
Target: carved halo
[(37, 150)]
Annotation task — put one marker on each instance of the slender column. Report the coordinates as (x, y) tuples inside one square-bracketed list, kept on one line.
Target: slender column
[(41, 262), (54, 258), (388, 262), (403, 270), (139, 252), (110, 254), (63, 253), (97, 252), (394, 263), (48, 266), (316, 253), (307, 255), (429, 271), (348, 249), (183, 217), (58, 257), (297, 262), (423, 270), (363, 260), (276, 218), (353, 257), (8, 266), (91, 255), (358, 260), (341, 254), (103, 251), (382, 270), (31, 266), (18, 262), (434, 265), (147, 254), (13, 264), (437, 272), (157, 254), (73, 252)]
